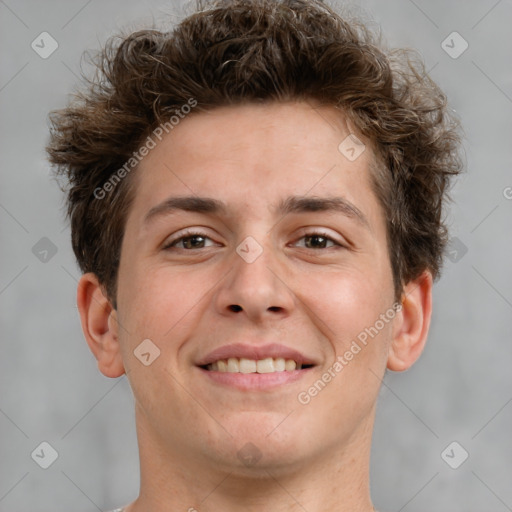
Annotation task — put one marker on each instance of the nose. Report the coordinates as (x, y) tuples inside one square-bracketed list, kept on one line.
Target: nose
[(256, 290)]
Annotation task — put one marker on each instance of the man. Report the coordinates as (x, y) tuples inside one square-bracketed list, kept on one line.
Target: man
[(256, 205)]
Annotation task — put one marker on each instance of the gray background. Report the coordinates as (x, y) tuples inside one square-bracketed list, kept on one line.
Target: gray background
[(460, 390)]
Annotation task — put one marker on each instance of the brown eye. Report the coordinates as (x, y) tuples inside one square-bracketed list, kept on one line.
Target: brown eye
[(316, 241), (192, 241)]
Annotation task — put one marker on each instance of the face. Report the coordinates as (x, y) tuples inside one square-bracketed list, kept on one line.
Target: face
[(254, 244)]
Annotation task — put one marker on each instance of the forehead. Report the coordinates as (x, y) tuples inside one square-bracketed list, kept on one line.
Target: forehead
[(257, 155)]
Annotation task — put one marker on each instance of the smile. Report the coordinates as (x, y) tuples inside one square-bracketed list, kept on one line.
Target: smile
[(244, 365)]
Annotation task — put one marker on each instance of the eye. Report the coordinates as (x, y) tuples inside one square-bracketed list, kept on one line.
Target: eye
[(317, 241), (191, 241)]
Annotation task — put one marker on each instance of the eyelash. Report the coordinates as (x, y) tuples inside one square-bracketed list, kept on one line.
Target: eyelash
[(192, 234)]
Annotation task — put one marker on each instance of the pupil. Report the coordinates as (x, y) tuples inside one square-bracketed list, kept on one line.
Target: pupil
[(315, 241), (193, 242)]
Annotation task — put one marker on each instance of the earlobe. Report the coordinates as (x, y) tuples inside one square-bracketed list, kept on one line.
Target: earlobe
[(99, 325), (411, 324)]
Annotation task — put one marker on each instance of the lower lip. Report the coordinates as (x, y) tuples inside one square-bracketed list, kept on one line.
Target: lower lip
[(256, 381)]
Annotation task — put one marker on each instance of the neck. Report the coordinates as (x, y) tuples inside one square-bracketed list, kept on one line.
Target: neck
[(337, 480)]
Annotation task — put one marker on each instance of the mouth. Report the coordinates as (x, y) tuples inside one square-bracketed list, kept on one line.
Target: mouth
[(255, 367), (244, 365)]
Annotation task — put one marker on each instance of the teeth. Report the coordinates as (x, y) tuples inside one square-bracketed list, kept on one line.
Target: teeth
[(247, 365), (279, 364), (243, 365), (290, 365), (265, 365), (233, 365)]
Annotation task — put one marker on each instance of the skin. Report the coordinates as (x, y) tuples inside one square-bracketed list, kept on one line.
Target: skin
[(307, 293)]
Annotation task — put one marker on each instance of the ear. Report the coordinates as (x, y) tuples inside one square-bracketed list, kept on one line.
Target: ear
[(99, 324), (411, 324)]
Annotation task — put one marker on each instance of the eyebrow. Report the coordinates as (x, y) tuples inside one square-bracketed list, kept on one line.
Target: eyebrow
[(188, 204), (303, 204), (292, 204)]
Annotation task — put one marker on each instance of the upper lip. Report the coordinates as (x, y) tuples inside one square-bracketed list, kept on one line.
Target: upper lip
[(256, 352)]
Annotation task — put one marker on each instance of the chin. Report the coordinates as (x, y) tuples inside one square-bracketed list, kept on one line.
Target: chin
[(264, 442)]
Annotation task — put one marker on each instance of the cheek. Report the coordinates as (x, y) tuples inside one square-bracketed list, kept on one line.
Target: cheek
[(344, 303), (154, 297), (160, 306), (163, 305), (349, 314)]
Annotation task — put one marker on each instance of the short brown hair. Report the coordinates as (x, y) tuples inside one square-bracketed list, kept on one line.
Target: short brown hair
[(236, 51)]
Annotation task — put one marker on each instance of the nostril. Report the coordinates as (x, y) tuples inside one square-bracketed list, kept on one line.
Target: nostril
[(274, 308), (235, 308)]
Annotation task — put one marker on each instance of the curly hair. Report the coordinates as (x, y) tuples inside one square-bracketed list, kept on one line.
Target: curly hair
[(230, 52)]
